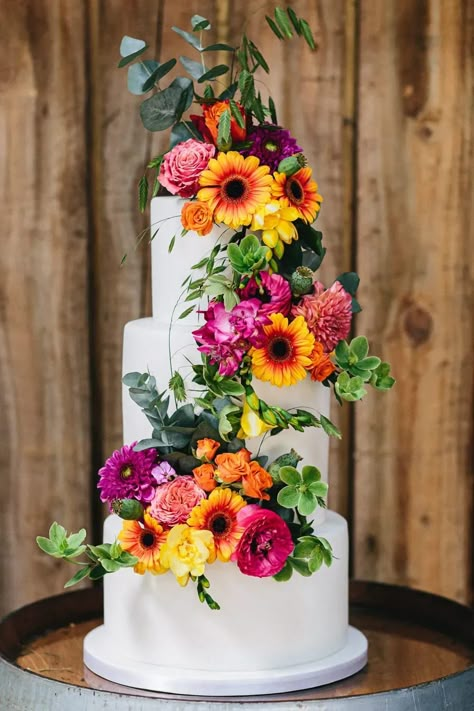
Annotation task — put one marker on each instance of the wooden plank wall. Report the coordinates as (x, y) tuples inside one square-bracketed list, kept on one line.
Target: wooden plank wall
[(384, 110)]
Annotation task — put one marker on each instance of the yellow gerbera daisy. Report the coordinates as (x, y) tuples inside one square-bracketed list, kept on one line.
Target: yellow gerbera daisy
[(218, 514), (298, 191), (285, 355), (276, 223), (234, 187), (145, 542)]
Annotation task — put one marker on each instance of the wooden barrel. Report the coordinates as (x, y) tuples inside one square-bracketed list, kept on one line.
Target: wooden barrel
[(421, 656)]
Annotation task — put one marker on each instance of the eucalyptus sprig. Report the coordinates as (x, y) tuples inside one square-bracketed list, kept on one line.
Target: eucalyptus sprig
[(106, 558)]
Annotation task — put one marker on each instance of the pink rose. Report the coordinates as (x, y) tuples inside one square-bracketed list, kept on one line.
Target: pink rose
[(182, 166), (174, 501), (266, 542)]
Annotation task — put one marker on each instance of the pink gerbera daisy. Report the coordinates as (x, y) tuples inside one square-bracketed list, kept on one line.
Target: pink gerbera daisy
[(328, 313)]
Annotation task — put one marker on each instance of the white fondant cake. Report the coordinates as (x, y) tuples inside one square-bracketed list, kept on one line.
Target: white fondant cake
[(158, 635)]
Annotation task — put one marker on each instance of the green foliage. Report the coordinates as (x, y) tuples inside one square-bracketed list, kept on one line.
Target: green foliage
[(350, 389), (176, 385), (304, 489), (354, 360), (202, 586), (381, 378), (130, 49), (224, 141), (106, 558), (285, 23), (247, 257), (164, 109)]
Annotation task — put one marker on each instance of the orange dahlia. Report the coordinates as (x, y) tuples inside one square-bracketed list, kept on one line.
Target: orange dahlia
[(298, 191), (144, 541), (285, 355), (218, 514), (234, 187)]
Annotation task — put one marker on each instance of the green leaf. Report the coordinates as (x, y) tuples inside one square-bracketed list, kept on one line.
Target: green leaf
[(283, 22), (199, 22), (310, 474), (316, 559), (161, 110), (110, 566), (139, 74), (97, 573), (288, 497), (236, 113), (161, 71), (194, 68), (131, 379), (285, 573), (57, 534), (272, 109), (74, 552), (305, 548), (318, 488), (306, 503), (48, 546), (223, 131), (247, 87), (130, 49), (259, 58), (290, 475), (294, 20), (300, 566), (171, 244), (219, 47), (142, 193), (102, 551), (231, 387), (127, 560), (115, 550), (307, 34), (329, 427), (75, 539), (350, 282), (189, 38), (359, 347), (274, 28), (213, 73), (186, 312), (370, 363), (80, 575)]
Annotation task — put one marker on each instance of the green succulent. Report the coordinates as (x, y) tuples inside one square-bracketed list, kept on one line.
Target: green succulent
[(381, 378), (350, 389), (354, 358), (304, 490), (247, 257)]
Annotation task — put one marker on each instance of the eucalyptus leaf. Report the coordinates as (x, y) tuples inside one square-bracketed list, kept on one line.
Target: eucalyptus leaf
[(219, 47), (195, 69), (138, 74), (190, 39), (161, 110), (213, 73), (130, 49), (161, 71), (198, 22)]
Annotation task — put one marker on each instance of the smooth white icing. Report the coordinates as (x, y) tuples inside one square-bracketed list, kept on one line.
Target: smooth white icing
[(262, 624)]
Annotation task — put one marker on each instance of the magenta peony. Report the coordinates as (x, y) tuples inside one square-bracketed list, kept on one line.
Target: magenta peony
[(174, 501), (328, 313), (274, 293), (266, 542), (128, 475), (182, 166)]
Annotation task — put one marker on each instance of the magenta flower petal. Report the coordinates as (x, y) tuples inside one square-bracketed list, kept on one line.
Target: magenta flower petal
[(271, 144), (266, 542), (128, 475), (274, 293)]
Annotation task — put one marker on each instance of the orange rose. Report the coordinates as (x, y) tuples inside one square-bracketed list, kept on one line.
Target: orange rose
[(204, 476), (257, 480), (212, 114), (207, 448), (321, 365), (232, 467), (197, 216)]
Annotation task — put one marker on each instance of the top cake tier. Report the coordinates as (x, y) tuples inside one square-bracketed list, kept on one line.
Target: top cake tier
[(170, 268)]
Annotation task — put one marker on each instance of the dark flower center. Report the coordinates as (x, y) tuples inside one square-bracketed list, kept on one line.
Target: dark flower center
[(280, 349), (294, 190), (235, 188), (220, 524), (271, 146), (147, 539), (126, 471), (261, 545)]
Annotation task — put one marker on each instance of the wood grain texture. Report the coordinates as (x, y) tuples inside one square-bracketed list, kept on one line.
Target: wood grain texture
[(312, 93), (44, 358), (413, 476)]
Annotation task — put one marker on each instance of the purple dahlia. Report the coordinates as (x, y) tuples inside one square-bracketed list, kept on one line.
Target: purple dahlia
[(271, 144), (128, 475)]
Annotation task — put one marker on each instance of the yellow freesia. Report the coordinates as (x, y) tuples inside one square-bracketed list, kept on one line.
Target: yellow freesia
[(186, 552), (276, 223), (251, 425)]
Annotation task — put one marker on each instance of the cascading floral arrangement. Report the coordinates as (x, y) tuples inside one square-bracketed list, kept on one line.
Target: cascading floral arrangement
[(193, 493)]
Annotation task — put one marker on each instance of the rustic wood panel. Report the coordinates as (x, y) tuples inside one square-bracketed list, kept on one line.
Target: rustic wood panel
[(413, 478), (44, 359), (314, 100)]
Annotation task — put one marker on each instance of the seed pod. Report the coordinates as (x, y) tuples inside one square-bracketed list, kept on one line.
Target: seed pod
[(128, 509), (301, 281), (290, 459), (292, 164)]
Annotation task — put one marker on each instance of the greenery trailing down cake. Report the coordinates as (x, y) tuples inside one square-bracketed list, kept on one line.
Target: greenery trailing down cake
[(223, 478)]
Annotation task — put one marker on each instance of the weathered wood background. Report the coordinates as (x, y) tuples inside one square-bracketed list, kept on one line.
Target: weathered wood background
[(385, 112)]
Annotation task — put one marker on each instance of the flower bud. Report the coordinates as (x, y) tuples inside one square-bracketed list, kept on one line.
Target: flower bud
[(290, 459), (252, 399), (292, 164), (128, 509), (301, 281), (267, 415)]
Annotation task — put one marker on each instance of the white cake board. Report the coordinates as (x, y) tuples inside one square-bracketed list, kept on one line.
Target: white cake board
[(103, 659)]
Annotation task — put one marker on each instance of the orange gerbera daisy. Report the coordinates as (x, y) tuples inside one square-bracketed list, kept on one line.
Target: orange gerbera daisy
[(298, 191), (234, 187), (144, 541), (285, 355), (218, 514)]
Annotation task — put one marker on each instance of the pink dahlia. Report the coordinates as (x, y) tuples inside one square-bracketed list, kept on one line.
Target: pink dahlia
[(328, 313), (182, 166), (174, 501), (273, 292), (128, 475), (266, 542)]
